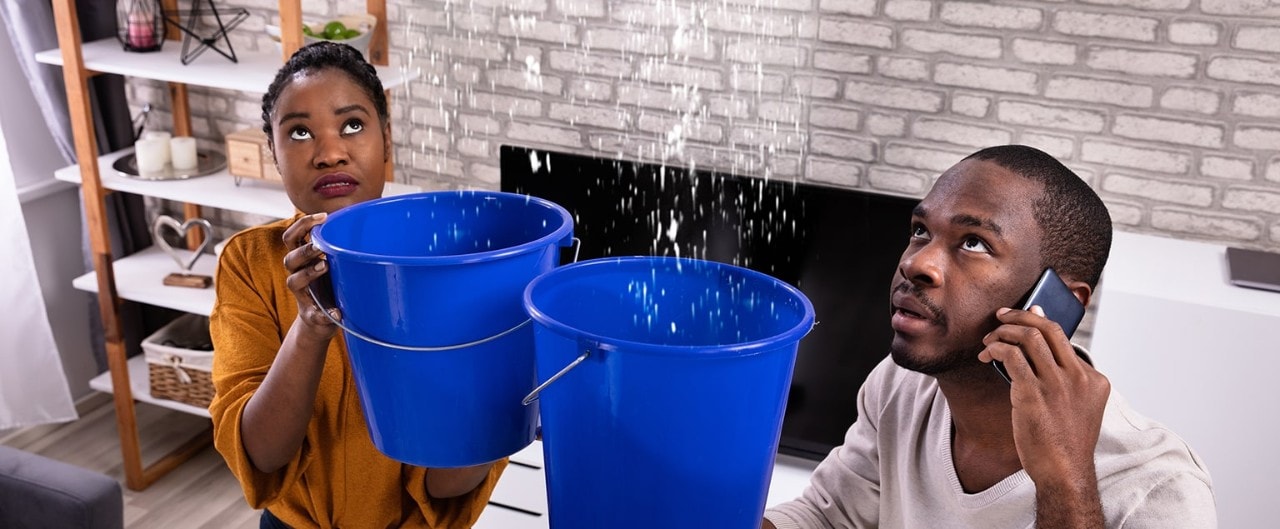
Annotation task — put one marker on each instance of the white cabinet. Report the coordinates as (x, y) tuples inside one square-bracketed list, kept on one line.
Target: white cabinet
[(1194, 352)]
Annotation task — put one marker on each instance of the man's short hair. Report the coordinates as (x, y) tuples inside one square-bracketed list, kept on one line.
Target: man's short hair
[(1074, 223)]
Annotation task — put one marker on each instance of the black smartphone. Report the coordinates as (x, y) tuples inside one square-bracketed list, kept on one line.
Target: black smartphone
[(1058, 303)]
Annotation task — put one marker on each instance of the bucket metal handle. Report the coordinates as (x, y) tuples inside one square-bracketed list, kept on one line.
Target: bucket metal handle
[(576, 243), (375, 341), (533, 395)]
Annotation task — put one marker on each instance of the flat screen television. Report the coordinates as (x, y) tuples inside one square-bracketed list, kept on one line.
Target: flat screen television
[(838, 246)]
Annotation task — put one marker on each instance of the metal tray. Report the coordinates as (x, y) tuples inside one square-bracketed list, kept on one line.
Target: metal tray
[(207, 162)]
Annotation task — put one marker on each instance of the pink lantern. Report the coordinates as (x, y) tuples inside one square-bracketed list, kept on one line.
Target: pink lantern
[(140, 25)]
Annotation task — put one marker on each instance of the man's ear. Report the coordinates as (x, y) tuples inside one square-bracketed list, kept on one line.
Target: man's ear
[(1082, 291)]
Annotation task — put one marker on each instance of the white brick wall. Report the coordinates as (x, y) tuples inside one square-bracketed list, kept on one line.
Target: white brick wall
[(1044, 52), (1194, 33), (991, 16), (1170, 108)]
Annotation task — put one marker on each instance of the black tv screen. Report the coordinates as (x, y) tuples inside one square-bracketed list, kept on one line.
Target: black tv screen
[(838, 246)]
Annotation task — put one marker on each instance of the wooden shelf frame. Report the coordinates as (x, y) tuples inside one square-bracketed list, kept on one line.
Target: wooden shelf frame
[(76, 74)]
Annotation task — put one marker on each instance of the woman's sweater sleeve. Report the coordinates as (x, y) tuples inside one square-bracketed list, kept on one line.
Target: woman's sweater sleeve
[(247, 332)]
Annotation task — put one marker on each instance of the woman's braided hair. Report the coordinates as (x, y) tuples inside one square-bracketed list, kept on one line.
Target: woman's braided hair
[(318, 56)]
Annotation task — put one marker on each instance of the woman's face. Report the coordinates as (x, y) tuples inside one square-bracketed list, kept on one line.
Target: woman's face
[(328, 143)]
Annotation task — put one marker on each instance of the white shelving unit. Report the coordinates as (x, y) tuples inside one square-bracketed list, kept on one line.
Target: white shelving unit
[(139, 277)]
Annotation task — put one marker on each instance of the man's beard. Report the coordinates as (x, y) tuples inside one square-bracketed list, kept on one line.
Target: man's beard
[(962, 359), (927, 363), (955, 360)]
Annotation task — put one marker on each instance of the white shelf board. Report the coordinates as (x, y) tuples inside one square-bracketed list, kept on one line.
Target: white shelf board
[(253, 72), (140, 382), (139, 277), (218, 190)]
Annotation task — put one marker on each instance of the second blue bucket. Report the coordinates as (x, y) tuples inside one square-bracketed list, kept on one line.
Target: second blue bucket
[(672, 409), (430, 288)]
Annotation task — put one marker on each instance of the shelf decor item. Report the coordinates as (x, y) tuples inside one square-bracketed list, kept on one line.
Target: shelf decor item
[(214, 41), (183, 278), (140, 25), (180, 361), (208, 161), (183, 153), (248, 156)]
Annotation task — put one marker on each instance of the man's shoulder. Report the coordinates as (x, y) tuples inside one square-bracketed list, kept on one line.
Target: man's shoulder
[(1133, 446)]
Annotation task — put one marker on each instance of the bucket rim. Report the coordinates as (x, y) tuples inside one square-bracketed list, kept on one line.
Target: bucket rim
[(793, 334), (562, 235)]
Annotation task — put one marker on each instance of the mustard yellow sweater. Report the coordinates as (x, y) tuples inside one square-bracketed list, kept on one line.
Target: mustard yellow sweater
[(338, 478)]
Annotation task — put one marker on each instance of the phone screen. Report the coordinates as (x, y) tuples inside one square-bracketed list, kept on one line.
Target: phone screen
[(1058, 302)]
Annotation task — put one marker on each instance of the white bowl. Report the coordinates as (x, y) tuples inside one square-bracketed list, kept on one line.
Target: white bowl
[(363, 22)]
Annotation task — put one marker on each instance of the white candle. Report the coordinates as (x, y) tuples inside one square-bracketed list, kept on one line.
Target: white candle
[(163, 136), (182, 151), (150, 154)]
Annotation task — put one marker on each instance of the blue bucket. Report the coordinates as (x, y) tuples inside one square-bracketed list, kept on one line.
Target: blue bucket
[(430, 289), (665, 384)]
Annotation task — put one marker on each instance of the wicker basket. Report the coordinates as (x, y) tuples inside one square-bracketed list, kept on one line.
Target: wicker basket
[(178, 363)]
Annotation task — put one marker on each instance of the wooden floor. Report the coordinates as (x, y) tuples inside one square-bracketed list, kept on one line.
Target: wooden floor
[(199, 494)]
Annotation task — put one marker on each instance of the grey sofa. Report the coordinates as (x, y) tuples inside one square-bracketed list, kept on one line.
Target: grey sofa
[(38, 492)]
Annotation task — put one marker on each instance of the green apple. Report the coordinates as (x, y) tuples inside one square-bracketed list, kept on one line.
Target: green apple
[(334, 30)]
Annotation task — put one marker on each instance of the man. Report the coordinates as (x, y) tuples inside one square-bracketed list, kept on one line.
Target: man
[(941, 439)]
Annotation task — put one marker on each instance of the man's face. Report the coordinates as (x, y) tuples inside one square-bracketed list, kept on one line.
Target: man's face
[(975, 247)]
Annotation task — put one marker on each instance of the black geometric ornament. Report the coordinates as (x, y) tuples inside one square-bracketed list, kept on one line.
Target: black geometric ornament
[(210, 42)]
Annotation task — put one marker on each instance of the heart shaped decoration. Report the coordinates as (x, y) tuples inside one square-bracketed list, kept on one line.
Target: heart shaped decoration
[(165, 221)]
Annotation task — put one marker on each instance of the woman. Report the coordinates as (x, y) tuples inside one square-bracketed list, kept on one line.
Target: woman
[(286, 414)]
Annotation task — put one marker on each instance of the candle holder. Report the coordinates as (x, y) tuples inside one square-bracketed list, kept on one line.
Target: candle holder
[(140, 25)]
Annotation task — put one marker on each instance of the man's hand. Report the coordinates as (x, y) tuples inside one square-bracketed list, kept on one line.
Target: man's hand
[(1058, 400)]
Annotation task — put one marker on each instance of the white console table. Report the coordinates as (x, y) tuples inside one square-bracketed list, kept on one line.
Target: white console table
[(1200, 355), (520, 500)]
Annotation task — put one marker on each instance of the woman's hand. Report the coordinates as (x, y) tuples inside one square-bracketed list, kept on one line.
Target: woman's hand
[(306, 264)]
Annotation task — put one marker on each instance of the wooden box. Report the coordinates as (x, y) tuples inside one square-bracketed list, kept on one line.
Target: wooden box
[(249, 157)]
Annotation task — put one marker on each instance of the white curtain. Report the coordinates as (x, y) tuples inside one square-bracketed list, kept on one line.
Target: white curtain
[(33, 388)]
